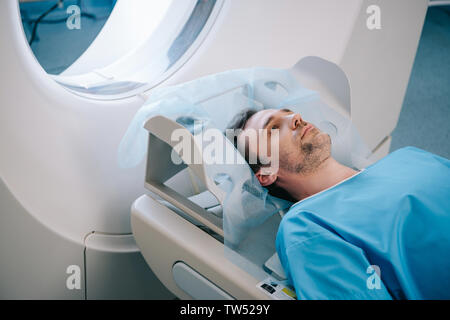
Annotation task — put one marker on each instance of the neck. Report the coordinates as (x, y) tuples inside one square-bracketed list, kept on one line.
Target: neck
[(301, 186)]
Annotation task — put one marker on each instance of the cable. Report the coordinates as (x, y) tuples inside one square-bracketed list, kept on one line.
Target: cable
[(55, 21), (42, 16)]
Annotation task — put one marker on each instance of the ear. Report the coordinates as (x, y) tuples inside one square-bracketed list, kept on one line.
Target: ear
[(266, 176)]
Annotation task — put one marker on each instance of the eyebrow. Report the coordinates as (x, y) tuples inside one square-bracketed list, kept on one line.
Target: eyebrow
[(266, 123)]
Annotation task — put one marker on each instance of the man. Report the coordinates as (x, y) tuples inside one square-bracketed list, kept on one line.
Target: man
[(380, 233)]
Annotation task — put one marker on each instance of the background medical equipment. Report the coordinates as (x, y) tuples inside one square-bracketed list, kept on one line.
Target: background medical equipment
[(65, 204)]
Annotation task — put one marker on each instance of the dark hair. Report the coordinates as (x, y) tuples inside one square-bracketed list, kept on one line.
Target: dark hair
[(238, 123)]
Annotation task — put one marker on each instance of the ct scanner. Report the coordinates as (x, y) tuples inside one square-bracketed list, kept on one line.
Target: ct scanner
[(65, 203)]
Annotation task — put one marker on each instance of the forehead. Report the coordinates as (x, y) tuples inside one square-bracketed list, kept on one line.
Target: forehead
[(258, 120)]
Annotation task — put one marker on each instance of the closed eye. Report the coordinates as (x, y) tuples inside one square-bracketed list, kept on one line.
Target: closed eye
[(272, 118)]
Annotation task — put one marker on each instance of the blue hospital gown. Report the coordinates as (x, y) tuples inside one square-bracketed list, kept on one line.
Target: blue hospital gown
[(394, 215)]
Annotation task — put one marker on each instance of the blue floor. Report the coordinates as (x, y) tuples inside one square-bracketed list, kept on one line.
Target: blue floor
[(57, 47), (425, 117)]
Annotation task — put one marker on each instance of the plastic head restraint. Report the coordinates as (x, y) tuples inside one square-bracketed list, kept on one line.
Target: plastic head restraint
[(213, 101)]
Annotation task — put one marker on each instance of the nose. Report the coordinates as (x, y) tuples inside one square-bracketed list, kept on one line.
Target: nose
[(297, 121)]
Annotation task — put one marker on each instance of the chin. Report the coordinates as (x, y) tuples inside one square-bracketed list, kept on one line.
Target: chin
[(322, 143), (318, 138)]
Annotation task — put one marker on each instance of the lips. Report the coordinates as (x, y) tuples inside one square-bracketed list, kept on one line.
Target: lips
[(306, 129)]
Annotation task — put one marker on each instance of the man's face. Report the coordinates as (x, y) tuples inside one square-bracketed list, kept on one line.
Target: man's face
[(302, 146)]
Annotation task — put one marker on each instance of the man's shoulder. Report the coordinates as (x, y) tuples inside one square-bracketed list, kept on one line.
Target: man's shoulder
[(411, 159), (413, 152), (300, 222)]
